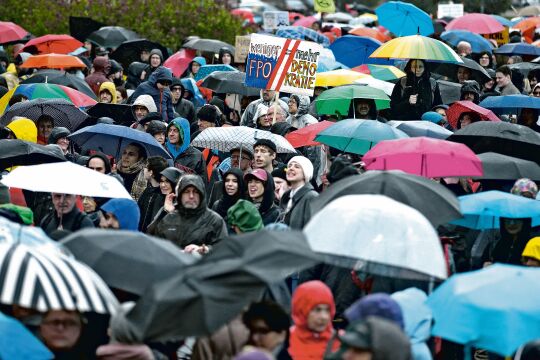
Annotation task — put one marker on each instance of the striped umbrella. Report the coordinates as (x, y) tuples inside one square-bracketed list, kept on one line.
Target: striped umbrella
[(302, 33), (381, 72), (417, 47), (49, 281)]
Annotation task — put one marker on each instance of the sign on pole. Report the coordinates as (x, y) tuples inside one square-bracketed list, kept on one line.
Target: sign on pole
[(324, 6), (241, 48), (449, 10), (501, 37), (280, 64), (274, 19)]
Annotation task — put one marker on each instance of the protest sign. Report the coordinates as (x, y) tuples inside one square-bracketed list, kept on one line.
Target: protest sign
[(241, 48), (449, 10), (501, 37), (324, 6), (274, 19)]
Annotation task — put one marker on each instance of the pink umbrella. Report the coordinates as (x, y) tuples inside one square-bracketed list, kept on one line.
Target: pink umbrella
[(11, 32), (179, 61), (460, 107), (431, 158), (305, 21), (306, 136), (476, 23)]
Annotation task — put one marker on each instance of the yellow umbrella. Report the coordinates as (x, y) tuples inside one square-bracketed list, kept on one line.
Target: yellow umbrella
[(416, 47), (338, 77)]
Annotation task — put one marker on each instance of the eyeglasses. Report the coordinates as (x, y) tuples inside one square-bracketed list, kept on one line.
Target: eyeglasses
[(66, 324)]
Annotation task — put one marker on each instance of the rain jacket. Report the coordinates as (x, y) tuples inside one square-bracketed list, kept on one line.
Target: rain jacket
[(149, 70), (126, 212), (186, 157), (24, 129), (109, 86), (162, 98), (199, 60), (184, 108), (200, 226), (302, 118), (150, 202), (251, 109), (101, 67), (222, 205), (72, 221), (299, 214), (190, 85)]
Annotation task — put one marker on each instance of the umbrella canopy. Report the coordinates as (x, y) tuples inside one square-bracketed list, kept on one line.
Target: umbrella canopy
[(209, 45), (504, 21), (485, 209), (328, 64), (528, 26), (43, 282), (531, 10), (80, 27), (423, 156), (229, 82), (503, 167), (179, 61), (370, 33), (112, 36), (438, 204), (385, 86), (306, 21), (478, 43), (381, 72), (416, 128), (148, 260), (377, 235), (450, 70), (510, 104), (62, 111), (16, 341), (14, 152), (354, 50), (59, 44), (357, 136), (524, 67), (130, 51), (306, 135), (53, 61), (338, 77), (518, 49), (10, 32), (246, 14), (338, 100), (121, 113), (404, 19), (65, 178), (61, 78), (500, 137), (302, 33), (450, 91), (417, 47), (111, 140), (506, 295), (338, 17), (33, 236), (456, 109), (235, 137), (206, 70), (476, 23)]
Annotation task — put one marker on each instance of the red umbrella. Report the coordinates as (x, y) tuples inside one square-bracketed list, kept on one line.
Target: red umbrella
[(476, 23), (306, 135), (11, 32), (246, 14), (431, 158), (179, 61), (460, 107), (306, 21), (59, 44), (295, 15)]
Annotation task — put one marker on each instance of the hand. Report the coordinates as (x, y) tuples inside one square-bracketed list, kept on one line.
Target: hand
[(487, 263), (192, 248), (168, 206), (143, 74), (413, 99)]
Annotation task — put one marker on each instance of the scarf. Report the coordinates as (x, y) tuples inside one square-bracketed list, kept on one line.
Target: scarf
[(140, 183)]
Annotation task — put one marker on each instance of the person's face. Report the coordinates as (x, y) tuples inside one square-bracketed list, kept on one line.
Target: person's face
[(63, 203), (533, 81), (105, 97), (60, 330), (295, 173), (357, 354), (442, 112), (109, 221), (44, 128), (119, 97), (319, 318), (484, 60), (231, 184), (417, 67), (362, 108), (531, 262), (140, 111), (97, 164), (489, 84), (63, 142), (510, 61), (268, 95), (264, 338), (130, 156), (513, 226), (465, 120), (263, 157), (255, 189), (160, 137), (195, 68), (265, 120), (468, 96), (176, 91), (235, 159), (293, 106), (190, 198), (155, 60), (528, 117), (203, 124), (89, 205), (280, 186), (536, 92), (145, 55), (226, 59), (502, 80), (463, 74), (280, 117), (174, 135), (165, 186), (161, 85)]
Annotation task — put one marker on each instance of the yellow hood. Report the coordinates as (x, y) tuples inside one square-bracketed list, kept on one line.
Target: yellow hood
[(24, 129), (532, 249), (109, 86)]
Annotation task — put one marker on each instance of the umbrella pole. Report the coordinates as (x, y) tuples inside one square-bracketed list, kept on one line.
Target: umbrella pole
[(431, 285), (275, 107)]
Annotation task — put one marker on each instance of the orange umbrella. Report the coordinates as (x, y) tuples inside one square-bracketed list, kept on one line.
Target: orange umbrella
[(59, 44), (371, 33), (528, 26), (53, 61)]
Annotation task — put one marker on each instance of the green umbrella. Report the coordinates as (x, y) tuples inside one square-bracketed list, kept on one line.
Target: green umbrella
[(338, 100)]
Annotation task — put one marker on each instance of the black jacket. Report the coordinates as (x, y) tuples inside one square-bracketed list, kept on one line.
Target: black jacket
[(269, 211), (150, 203), (299, 214), (72, 221)]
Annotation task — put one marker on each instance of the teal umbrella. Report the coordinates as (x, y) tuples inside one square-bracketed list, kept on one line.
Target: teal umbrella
[(206, 70), (338, 100)]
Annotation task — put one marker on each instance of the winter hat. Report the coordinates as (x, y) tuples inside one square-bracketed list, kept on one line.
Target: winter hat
[(432, 116), (524, 185), (147, 101), (156, 52), (265, 142), (24, 214), (210, 114), (380, 304), (244, 215), (261, 110), (306, 165), (57, 133), (156, 127), (126, 212), (172, 174), (280, 171), (341, 168)]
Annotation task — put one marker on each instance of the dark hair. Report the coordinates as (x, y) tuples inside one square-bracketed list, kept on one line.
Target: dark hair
[(103, 158), (488, 54), (156, 164), (142, 150), (122, 90), (16, 98), (410, 73), (505, 70), (271, 313), (474, 117), (45, 117)]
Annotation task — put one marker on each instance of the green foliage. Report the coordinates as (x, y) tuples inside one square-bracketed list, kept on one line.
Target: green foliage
[(164, 21)]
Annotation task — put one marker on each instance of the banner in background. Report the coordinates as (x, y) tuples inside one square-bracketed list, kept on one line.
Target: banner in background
[(241, 48), (274, 19)]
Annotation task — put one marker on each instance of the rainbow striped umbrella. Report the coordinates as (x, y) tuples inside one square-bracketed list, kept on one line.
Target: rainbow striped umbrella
[(47, 91), (381, 72), (417, 47)]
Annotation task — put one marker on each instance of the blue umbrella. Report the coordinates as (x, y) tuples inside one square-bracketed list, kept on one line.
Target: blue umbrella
[(302, 33), (510, 104), (206, 70), (495, 308), (484, 210), (190, 85), (518, 49), (354, 50), (404, 19), (416, 128), (111, 139), (503, 21), (478, 43), (327, 64), (13, 233), (17, 342)]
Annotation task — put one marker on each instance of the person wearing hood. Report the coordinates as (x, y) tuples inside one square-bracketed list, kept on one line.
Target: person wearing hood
[(192, 92), (415, 93), (157, 86), (59, 136), (262, 120), (107, 93), (185, 156), (102, 67), (189, 224), (158, 129), (116, 74), (267, 98), (130, 168), (470, 90), (155, 60), (529, 117), (152, 198), (120, 214), (65, 216), (22, 129), (142, 106), (195, 65), (183, 107), (243, 217), (364, 109), (260, 187), (233, 189), (225, 56), (299, 116)]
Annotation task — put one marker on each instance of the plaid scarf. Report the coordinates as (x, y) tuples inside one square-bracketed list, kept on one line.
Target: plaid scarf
[(139, 184)]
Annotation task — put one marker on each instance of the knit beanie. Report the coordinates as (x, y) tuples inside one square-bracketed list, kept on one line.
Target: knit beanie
[(306, 165), (244, 215)]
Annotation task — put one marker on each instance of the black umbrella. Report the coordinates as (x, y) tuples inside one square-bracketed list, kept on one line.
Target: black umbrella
[(130, 51), (209, 45), (503, 167), (213, 291), (61, 78), (112, 36), (450, 91), (449, 70), (524, 67), (438, 204), (62, 111), (81, 27), (127, 260), (14, 152), (122, 114), (500, 137), (229, 82)]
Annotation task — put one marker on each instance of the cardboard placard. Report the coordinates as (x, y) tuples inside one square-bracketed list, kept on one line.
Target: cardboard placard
[(274, 19), (502, 37), (450, 10), (241, 48)]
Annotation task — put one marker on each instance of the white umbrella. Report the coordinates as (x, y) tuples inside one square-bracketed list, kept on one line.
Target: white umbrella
[(415, 128), (65, 178), (236, 137), (339, 17), (385, 86), (377, 235)]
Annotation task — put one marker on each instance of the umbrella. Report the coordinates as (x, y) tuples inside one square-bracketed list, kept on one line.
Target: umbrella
[(120, 113), (338, 100), (111, 36), (484, 210), (62, 111), (32, 236), (450, 70), (17, 342), (450, 91), (59, 44), (206, 70), (179, 61), (302, 33), (377, 235), (531, 10), (338, 77), (11, 32), (500, 294), (111, 139), (229, 82), (518, 49), (385, 86), (478, 43), (61, 78), (234, 137), (438, 204), (306, 135), (211, 292), (502, 20), (245, 14), (510, 104), (353, 50), (503, 167), (404, 19), (14, 152), (528, 26), (524, 67), (209, 45), (381, 72), (130, 51), (43, 282), (53, 61), (423, 156), (416, 128), (459, 107), (65, 178), (327, 64), (370, 33), (148, 261), (476, 23), (306, 21), (338, 17), (357, 136), (417, 47), (501, 137), (81, 27)]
